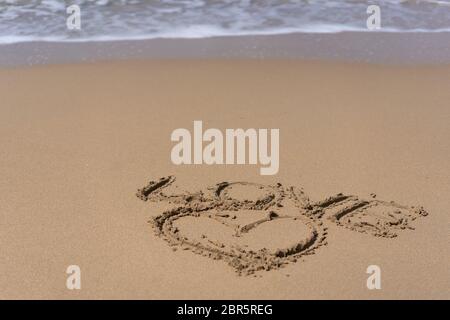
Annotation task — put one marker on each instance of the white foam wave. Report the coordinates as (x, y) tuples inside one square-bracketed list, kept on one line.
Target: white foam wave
[(108, 20)]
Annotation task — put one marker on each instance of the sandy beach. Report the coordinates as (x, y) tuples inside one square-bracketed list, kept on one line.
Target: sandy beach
[(78, 141)]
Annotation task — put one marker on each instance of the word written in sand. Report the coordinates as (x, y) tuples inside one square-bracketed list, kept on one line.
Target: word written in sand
[(234, 146), (223, 221)]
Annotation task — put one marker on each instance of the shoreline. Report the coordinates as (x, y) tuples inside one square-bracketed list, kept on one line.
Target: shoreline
[(362, 47)]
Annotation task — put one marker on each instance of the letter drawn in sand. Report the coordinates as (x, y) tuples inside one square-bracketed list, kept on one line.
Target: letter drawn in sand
[(256, 227)]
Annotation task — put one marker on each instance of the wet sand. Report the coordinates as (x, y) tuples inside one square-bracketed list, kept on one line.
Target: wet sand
[(79, 140), (394, 48)]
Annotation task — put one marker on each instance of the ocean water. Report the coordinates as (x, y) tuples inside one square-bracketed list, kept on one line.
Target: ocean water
[(45, 20)]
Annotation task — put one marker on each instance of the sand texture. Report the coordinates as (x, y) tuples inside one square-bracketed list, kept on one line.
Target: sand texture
[(364, 179), (212, 210)]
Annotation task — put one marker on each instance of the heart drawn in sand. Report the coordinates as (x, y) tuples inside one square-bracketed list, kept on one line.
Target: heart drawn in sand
[(257, 227)]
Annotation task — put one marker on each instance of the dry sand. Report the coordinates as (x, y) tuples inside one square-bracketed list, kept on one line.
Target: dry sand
[(79, 140)]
